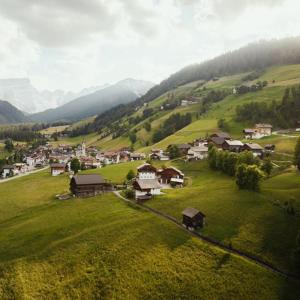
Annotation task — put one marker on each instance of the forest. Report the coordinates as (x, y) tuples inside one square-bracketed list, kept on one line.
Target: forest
[(282, 114)]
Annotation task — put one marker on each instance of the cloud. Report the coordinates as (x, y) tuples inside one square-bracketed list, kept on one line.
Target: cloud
[(72, 44), (59, 22)]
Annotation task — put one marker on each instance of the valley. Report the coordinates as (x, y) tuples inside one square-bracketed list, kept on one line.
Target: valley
[(188, 189)]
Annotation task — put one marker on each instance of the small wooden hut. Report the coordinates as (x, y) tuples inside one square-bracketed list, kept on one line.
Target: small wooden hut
[(193, 218)]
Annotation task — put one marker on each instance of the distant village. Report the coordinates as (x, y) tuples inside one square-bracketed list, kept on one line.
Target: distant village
[(149, 181)]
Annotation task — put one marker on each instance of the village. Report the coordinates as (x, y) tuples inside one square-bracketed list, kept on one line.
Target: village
[(148, 181)]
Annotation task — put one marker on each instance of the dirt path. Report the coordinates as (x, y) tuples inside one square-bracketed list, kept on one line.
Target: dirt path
[(214, 242), (21, 175)]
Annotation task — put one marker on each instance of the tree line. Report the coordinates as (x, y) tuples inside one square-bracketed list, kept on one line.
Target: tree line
[(282, 114), (247, 169), (174, 123)]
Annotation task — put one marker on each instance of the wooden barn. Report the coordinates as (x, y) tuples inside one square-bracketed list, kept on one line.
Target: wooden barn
[(89, 185), (171, 175), (193, 218)]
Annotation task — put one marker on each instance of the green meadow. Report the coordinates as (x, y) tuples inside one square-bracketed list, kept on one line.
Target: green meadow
[(103, 248), (255, 222)]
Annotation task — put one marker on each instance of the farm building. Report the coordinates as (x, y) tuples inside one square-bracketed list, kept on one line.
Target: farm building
[(7, 171), (146, 171), (57, 168), (256, 149), (232, 145), (192, 217), (249, 133), (217, 141), (146, 187), (89, 185), (197, 153), (172, 176), (223, 135)]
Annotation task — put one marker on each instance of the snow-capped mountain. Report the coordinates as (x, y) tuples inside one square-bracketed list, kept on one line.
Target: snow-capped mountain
[(23, 95)]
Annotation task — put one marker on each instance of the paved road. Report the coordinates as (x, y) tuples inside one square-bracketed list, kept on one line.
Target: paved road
[(216, 243), (21, 175)]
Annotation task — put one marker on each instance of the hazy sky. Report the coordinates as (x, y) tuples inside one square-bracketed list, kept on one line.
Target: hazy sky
[(72, 44)]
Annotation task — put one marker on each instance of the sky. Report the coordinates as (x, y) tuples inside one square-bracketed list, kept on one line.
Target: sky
[(74, 44)]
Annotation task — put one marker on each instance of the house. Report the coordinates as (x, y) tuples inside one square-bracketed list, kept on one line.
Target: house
[(171, 175), (217, 141), (89, 185), (193, 218), (197, 153), (232, 145), (21, 168), (256, 149), (109, 157), (187, 102), (158, 154), (262, 130), (249, 133), (146, 187), (137, 156), (146, 171), (57, 168), (89, 162), (146, 184), (7, 171), (223, 135), (269, 148)]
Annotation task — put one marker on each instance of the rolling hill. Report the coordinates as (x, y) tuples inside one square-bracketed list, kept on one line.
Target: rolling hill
[(122, 92), (10, 114), (275, 62)]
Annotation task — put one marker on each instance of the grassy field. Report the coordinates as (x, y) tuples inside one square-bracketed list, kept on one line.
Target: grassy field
[(54, 129), (254, 222), (89, 140), (116, 173), (101, 247)]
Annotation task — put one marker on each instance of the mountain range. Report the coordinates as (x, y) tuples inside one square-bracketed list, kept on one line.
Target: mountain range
[(23, 95), (10, 114), (122, 92)]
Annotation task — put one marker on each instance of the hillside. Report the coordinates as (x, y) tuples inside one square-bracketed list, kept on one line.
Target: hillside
[(205, 122), (120, 93), (210, 86), (101, 247), (10, 114)]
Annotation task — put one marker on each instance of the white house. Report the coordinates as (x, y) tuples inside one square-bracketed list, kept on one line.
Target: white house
[(198, 152), (7, 171), (57, 168), (146, 184), (146, 171)]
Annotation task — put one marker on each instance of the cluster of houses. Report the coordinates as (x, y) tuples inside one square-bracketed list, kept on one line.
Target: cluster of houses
[(150, 180)]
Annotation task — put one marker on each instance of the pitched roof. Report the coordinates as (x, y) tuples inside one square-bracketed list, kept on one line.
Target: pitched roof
[(233, 142), (248, 130), (88, 179), (146, 166), (145, 184), (254, 146), (8, 167), (58, 165), (262, 125), (200, 148), (192, 212), (224, 135), (217, 140), (176, 170)]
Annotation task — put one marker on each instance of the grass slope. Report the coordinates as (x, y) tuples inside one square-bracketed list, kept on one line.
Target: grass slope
[(254, 222), (101, 248)]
